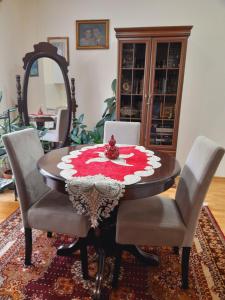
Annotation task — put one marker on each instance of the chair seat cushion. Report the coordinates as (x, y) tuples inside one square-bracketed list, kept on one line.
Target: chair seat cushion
[(153, 221), (54, 212), (51, 136)]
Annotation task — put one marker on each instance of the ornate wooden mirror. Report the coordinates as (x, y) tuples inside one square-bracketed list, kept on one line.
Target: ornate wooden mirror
[(46, 96)]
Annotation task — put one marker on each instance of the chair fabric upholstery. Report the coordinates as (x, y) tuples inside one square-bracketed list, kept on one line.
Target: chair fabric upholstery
[(154, 221), (37, 202), (159, 221), (58, 134), (54, 212), (124, 132)]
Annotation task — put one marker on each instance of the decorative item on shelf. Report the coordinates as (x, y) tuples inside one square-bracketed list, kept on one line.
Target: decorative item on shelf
[(128, 111), (111, 151), (126, 86), (40, 112), (167, 112), (128, 59)]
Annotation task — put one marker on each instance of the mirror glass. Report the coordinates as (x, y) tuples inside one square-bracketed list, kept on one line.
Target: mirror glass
[(46, 93)]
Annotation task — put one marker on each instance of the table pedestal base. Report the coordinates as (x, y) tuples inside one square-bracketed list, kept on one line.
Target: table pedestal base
[(103, 239), (68, 250)]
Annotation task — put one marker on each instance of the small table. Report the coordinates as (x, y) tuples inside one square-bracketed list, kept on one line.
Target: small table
[(41, 119), (162, 179)]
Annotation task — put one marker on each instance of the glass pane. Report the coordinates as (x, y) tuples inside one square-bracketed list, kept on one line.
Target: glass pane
[(161, 55), (132, 81), (155, 137), (174, 55), (168, 110), (138, 82), (160, 82), (128, 56), (139, 54), (136, 108), (157, 107), (125, 107), (126, 82), (172, 81), (163, 114)]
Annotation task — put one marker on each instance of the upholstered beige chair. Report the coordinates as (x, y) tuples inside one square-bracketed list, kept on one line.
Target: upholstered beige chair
[(41, 207), (57, 135), (159, 221), (124, 132)]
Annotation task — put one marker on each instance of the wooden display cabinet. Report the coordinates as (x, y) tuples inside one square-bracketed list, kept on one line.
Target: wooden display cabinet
[(151, 63)]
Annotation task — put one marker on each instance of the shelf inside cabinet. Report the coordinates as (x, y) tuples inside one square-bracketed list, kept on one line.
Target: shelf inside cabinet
[(166, 68), (162, 119), (132, 68)]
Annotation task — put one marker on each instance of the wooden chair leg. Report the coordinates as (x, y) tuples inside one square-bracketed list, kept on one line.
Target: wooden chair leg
[(84, 259), (185, 266), (49, 234), (28, 245), (116, 272), (176, 250)]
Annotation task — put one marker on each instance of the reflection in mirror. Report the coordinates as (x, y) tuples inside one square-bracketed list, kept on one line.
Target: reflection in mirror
[(47, 99)]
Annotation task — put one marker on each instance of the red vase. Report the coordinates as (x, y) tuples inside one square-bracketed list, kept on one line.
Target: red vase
[(111, 151)]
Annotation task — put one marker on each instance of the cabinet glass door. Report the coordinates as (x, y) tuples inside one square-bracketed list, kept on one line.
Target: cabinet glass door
[(132, 72), (166, 71)]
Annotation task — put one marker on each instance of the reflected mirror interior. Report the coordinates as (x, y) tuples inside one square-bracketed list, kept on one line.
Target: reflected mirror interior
[(46, 91)]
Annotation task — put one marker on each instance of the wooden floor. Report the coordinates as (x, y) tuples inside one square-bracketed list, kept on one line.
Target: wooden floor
[(215, 199)]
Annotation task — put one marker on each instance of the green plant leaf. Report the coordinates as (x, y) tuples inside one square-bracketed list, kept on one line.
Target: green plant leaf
[(113, 86), (77, 140), (81, 118), (83, 126), (109, 99), (100, 123)]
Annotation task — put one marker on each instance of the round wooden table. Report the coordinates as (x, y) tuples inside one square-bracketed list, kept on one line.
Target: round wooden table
[(162, 179)]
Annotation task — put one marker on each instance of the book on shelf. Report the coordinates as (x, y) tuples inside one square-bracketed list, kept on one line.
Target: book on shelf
[(164, 129)]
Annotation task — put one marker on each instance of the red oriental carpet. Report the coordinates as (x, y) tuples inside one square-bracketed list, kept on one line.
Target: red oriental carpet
[(59, 278)]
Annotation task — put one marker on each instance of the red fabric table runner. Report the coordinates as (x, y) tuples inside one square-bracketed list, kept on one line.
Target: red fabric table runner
[(133, 163)]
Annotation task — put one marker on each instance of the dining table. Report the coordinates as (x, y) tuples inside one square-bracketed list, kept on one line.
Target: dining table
[(40, 119), (103, 237)]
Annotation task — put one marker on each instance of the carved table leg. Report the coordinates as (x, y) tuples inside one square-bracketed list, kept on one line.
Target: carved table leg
[(100, 273), (68, 250)]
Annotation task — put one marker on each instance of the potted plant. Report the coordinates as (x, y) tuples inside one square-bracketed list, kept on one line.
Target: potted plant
[(5, 167)]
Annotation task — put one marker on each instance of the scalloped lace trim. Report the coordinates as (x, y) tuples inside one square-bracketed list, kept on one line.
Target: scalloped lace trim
[(94, 196)]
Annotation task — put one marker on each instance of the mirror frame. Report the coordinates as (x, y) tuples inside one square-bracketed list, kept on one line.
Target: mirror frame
[(45, 49)]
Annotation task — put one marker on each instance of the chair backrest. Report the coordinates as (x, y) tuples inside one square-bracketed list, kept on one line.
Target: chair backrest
[(124, 132), (194, 182), (61, 123), (24, 150)]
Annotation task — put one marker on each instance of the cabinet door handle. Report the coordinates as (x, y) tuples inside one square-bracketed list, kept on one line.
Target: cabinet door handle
[(149, 100)]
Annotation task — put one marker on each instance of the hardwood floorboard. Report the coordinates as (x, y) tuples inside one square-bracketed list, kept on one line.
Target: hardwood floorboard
[(215, 199)]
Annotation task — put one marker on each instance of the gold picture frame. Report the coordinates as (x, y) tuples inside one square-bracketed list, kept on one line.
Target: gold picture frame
[(62, 44), (92, 34)]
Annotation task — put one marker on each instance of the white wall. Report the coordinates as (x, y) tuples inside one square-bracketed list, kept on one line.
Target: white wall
[(10, 39), (203, 103)]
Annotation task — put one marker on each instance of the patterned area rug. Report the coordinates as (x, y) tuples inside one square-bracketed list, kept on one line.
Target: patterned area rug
[(59, 278)]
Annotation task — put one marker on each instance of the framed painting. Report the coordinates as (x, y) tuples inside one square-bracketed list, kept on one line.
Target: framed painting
[(62, 44), (92, 34), (34, 69)]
